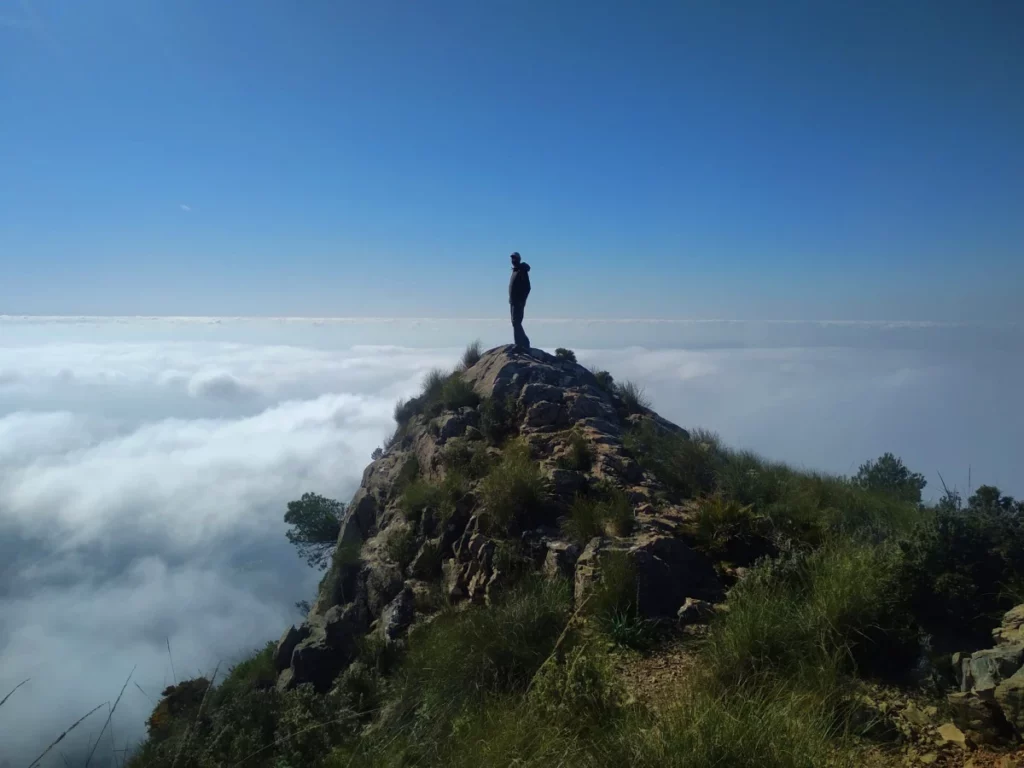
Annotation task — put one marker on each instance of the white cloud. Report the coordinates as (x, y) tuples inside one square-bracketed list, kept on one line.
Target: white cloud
[(185, 208)]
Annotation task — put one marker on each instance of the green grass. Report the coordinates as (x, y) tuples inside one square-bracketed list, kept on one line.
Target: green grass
[(720, 524), (498, 419), (470, 459), (633, 397), (472, 355), (420, 495), (513, 490), (565, 354), (578, 455), (456, 393), (400, 544), (591, 516)]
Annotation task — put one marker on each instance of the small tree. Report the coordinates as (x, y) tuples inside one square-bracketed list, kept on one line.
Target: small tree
[(315, 522), (888, 474), (988, 498), (565, 354)]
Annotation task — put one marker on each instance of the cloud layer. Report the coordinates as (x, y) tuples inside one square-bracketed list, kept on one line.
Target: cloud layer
[(145, 465)]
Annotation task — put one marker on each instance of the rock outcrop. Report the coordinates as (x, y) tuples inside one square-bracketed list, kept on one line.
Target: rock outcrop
[(550, 405), (989, 707)]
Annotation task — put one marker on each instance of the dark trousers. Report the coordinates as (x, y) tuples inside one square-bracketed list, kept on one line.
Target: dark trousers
[(522, 340)]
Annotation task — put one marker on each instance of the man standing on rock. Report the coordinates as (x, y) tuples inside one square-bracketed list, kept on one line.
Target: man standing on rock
[(518, 290)]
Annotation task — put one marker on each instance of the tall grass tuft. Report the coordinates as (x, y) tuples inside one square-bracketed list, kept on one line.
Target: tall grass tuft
[(472, 355), (514, 488)]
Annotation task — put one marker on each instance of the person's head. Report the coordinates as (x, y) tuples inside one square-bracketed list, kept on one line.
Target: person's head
[(515, 258)]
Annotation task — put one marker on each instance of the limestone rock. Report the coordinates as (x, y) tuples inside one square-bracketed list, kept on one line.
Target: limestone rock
[(978, 717), (695, 612), (1009, 694), (560, 560), (666, 572), (398, 615), (286, 646), (984, 670), (456, 424), (950, 734), (1011, 630), (330, 645)]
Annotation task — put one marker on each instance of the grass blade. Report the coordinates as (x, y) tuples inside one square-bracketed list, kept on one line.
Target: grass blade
[(5, 698), (60, 738), (110, 714)]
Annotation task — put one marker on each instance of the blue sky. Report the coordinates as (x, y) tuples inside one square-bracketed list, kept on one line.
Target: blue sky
[(786, 160)]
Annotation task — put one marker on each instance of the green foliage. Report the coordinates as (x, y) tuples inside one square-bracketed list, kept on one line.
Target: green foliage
[(887, 474), (456, 393), (839, 607), (722, 525), (577, 687), (578, 455), (177, 707), (592, 516), (689, 466), (472, 355), (420, 495), (315, 522), (774, 725), (963, 570), (253, 673), (498, 419), (466, 458), (604, 380), (407, 473), (565, 354), (613, 602), (400, 544), (513, 489), (633, 397)]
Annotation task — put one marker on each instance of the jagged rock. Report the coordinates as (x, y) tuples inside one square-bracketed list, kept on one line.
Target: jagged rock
[(455, 424), (286, 645), (426, 564), (540, 393), (950, 734), (585, 406), (666, 571), (329, 647), (984, 670), (560, 560), (1009, 694), (544, 414), (398, 615), (384, 581), (695, 612), (566, 483), (1011, 630), (979, 717)]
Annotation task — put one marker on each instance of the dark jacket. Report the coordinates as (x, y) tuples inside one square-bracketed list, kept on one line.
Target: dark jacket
[(519, 284)]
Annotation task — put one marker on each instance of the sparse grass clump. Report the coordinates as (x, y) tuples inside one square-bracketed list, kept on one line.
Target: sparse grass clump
[(604, 380), (514, 488), (472, 355), (400, 544), (467, 458), (419, 496), (498, 419), (578, 455), (633, 397), (592, 516), (721, 524), (457, 393), (689, 466)]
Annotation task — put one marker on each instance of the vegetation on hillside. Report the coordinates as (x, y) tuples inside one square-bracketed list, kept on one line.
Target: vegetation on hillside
[(846, 580)]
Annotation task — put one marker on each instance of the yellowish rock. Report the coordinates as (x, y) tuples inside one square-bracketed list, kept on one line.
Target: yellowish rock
[(950, 734)]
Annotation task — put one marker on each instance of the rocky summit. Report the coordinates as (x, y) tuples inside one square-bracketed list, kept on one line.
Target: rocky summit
[(537, 570), (572, 428)]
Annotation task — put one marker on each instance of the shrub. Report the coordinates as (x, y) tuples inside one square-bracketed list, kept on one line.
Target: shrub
[(456, 393), (633, 397), (433, 382), (724, 526), (461, 456), (407, 473), (498, 419), (565, 354), (256, 672), (400, 544), (513, 489), (578, 455), (961, 570), (472, 355), (464, 657), (418, 496), (591, 516), (689, 466), (604, 380)]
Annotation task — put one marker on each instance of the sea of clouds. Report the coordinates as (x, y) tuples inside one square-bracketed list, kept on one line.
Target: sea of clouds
[(145, 463)]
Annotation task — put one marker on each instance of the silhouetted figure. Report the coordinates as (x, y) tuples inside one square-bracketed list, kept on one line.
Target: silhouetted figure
[(518, 290)]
